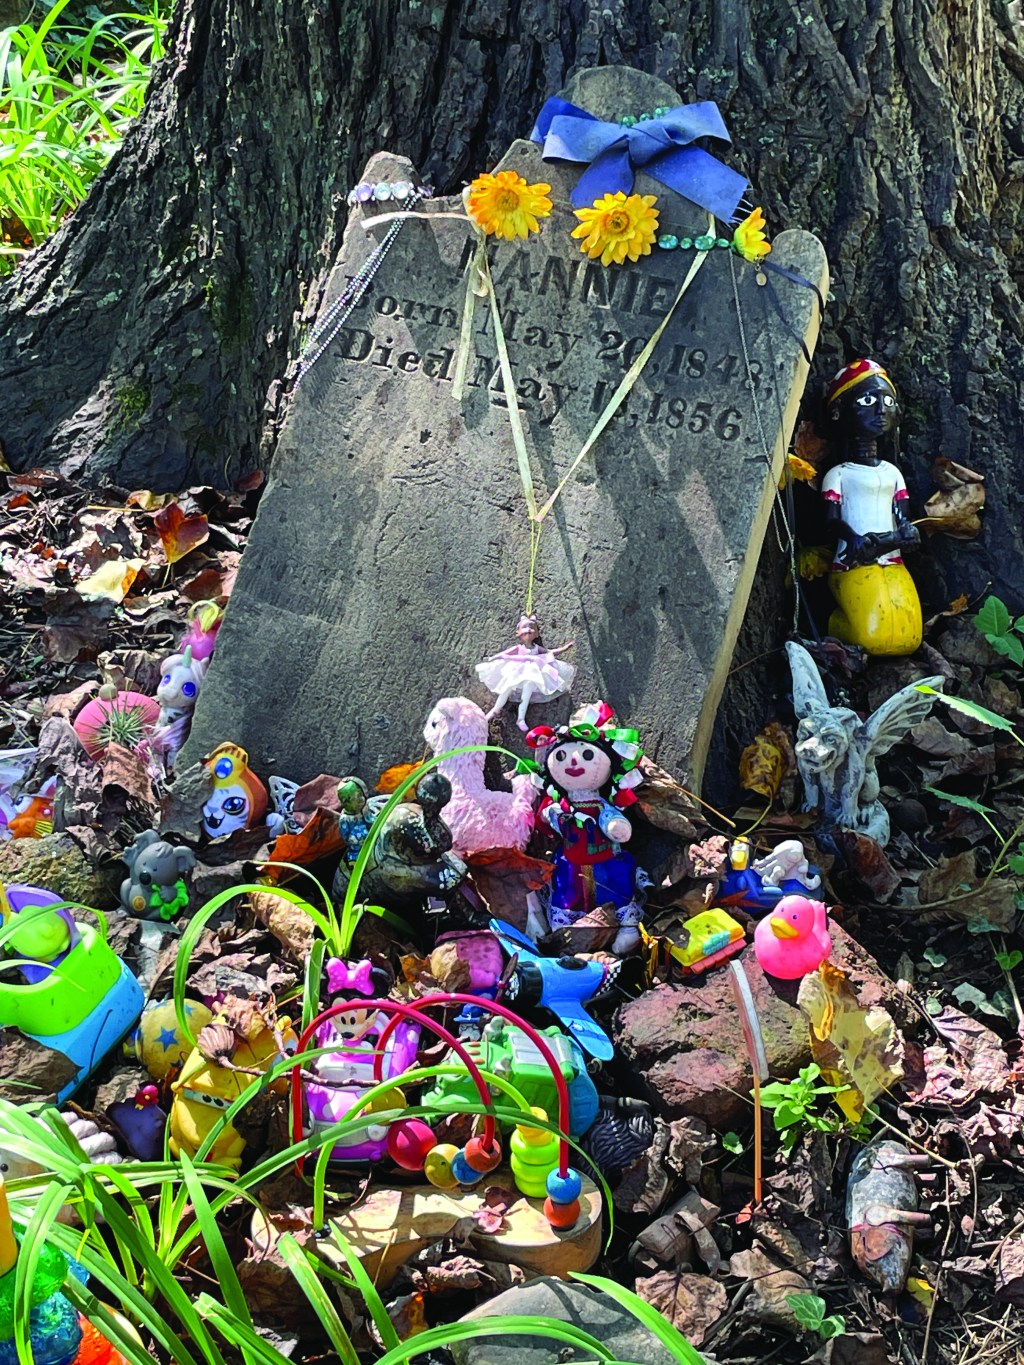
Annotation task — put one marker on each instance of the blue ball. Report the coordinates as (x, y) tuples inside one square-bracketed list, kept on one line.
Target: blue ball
[(463, 1171), (563, 1189)]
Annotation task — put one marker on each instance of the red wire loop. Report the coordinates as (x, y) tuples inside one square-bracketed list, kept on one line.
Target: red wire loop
[(398, 1012)]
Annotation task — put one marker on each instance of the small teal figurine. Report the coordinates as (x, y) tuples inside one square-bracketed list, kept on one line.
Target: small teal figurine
[(588, 772)]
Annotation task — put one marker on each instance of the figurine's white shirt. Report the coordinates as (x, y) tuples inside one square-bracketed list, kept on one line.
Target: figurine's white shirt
[(865, 494)]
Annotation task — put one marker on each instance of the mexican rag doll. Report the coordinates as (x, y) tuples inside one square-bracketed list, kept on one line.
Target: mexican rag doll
[(588, 770)]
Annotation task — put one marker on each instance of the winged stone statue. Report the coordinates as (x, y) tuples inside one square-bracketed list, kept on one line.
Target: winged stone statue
[(836, 750)]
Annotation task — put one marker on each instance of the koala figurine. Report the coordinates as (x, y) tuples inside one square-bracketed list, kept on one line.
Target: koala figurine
[(155, 886)]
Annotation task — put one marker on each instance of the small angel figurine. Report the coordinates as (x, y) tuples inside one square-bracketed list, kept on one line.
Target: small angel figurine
[(527, 671)]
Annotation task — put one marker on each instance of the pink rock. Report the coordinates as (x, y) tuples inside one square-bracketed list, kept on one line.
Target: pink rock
[(686, 1045)]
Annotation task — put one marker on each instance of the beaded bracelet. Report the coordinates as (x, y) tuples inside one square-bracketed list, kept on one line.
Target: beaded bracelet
[(399, 190), (628, 121)]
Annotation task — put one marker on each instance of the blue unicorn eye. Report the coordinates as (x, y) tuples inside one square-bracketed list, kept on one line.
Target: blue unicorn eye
[(188, 689), (165, 680)]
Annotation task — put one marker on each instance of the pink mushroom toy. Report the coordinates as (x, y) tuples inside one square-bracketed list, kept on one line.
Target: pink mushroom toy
[(794, 940)]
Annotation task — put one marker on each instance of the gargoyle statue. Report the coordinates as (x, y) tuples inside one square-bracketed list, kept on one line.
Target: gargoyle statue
[(836, 750)]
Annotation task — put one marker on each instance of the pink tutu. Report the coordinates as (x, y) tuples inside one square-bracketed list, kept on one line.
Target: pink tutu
[(523, 666)]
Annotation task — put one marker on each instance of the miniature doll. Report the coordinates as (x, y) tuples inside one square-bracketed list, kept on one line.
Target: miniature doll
[(588, 771), (527, 671), (239, 798), (866, 496)]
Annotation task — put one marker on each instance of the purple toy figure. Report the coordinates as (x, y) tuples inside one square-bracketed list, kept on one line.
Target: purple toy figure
[(527, 671), (588, 771)]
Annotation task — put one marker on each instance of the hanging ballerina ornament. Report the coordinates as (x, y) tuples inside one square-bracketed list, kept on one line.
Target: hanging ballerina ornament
[(528, 671)]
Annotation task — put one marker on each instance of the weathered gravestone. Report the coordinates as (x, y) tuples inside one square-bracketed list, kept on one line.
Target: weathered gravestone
[(391, 549)]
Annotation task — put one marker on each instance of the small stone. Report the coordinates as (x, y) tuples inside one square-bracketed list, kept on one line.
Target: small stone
[(661, 111), (704, 243), (668, 242), (685, 243), (56, 863), (645, 118), (628, 121), (723, 241), (382, 193), (401, 190), (594, 1312), (363, 193)]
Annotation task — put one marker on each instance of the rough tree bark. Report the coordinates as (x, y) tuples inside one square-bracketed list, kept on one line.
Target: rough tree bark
[(146, 342)]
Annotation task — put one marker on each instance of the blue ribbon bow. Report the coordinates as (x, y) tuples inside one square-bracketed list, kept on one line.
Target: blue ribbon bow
[(659, 146)]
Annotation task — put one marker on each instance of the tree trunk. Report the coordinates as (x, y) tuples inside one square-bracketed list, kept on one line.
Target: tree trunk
[(146, 343)]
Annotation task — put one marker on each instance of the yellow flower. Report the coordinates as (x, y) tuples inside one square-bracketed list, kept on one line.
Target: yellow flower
[(618, 226), (749, 238), (505, 205), (797, 469)]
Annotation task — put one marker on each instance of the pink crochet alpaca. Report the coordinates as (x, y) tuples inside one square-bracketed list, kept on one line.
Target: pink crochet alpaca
[(477, 817)]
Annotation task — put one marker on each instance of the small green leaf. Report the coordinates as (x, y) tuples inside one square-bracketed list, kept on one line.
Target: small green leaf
[(966, 994), (1015, 862), (833, 1326), (978, 924), (732, 1142), (1010, 959), (932, 1005), (968, 708), (966, 802), (993, 618), (1009, 646), (933, 956), (808, 1309)]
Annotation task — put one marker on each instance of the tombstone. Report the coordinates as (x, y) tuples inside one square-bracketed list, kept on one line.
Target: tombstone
[(391, 549)]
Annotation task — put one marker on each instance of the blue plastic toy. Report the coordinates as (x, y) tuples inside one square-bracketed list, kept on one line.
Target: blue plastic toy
[(560, 985), (78, 997)]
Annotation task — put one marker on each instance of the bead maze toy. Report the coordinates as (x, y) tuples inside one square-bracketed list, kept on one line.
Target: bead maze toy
[(552, 1228), (511, 1054), (714, 937), (77, 997)]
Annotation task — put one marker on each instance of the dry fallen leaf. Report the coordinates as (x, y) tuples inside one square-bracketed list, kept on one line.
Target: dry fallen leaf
[(808, 445), (814, 561), (692, 1303), (111, 580), (767, 761), (955, 509), (390, 779), (853, 1046), (951, 888), (180, 534)]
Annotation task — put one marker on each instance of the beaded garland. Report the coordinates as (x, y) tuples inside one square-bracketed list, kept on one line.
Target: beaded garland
[(382, 193)]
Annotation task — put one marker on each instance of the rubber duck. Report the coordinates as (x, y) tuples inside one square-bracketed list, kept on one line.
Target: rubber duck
[(794, 940)]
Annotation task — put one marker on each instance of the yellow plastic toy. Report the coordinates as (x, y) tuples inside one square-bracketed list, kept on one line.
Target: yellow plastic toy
[(157, 1041), (206, 1087), (714, 936)]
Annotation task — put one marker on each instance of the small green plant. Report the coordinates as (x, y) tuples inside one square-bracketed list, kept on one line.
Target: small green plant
[(795, 1107), (809, 1311), (1000, 629)]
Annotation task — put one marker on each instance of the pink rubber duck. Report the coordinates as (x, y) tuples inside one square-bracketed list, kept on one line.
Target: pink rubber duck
[(793, 940)]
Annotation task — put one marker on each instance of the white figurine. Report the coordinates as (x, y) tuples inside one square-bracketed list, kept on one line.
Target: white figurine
[(527, 671)]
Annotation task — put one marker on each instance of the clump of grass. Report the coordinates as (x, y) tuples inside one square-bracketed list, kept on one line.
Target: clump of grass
[(68, 92)]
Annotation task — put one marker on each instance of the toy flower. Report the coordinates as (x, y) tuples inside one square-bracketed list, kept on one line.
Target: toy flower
[(749, 239), (506, 206), (618, 226)]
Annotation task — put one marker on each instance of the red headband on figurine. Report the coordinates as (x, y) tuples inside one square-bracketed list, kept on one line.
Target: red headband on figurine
[(853, 374)]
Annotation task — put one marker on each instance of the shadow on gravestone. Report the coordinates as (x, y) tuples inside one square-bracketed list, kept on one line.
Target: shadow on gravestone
[(390, 553)]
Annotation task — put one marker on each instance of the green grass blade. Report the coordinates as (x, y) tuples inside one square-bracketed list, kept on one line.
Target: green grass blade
[(497, 1327), (319, 1300), (213, 1242), (239, 1334), (669, 1336), (371, 1299)]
